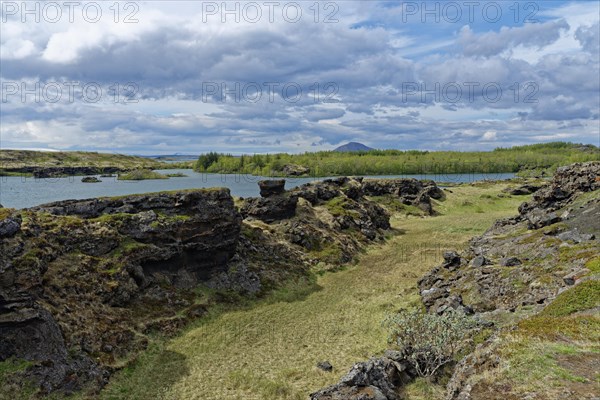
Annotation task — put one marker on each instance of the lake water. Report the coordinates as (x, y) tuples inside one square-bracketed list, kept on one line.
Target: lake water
[(22, 192)]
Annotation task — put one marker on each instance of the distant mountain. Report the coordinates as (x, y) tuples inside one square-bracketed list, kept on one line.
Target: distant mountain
[(353, 146)]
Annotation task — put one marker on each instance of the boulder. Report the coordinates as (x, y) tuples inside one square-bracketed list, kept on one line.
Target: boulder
[(270, 188), (539, 218), (524, 190), (510, 262), (10, 226), (325, 366), (479, 261), (376, 379), (451, 259), (573, 235)]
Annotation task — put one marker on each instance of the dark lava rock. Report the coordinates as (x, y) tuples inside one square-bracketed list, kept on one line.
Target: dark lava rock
[(9, 227), (451, 259), (510, 262), (525, 189), (86, 284), (431, 296), (238, 279), (271, 187), (325, 366), (376, 379), (540, 218), (567, 183), (270, 209), (52, 172), (90, 179), (410, 191), (574, 236)]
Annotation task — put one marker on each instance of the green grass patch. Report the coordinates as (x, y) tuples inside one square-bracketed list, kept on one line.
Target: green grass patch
[(586, 328), (533, 364), (13, 391), (5, 213), (582, 251), (140, 175), (339, 206), (593, 265), (583, 296)]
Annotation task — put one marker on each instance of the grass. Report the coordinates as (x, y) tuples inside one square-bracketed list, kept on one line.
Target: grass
[(11, 367), (140, 175), (270, 350), (582, 297), (593, 265), (15, 159), (339, 206), (533, 364), (561, 328)]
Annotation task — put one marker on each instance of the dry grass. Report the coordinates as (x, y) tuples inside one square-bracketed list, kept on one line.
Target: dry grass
[(270, 351)]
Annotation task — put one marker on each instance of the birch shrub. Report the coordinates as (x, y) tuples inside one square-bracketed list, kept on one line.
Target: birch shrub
[(429, 341)]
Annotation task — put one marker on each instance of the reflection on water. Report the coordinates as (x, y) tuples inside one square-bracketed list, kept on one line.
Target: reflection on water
[(21, 192)]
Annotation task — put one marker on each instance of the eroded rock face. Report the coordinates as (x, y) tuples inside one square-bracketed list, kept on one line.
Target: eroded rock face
[(520, 263), (410, 191), (270, 209), (81, 275), (502, 270), (271, 187), (95, 276), (568, 182)]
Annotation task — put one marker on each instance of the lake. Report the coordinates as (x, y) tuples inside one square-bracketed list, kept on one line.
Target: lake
[(23, 192)]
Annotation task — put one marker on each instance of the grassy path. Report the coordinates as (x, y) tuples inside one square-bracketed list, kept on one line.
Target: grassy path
[(270, 351)]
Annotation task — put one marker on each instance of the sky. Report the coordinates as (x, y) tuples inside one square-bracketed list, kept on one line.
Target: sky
[(164, 77)]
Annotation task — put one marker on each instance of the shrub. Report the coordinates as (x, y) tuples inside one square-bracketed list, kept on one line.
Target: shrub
[(429, 341)]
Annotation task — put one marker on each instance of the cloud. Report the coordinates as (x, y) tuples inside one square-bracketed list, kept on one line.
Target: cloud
[(589, 37), (493, 43), (352, 78)]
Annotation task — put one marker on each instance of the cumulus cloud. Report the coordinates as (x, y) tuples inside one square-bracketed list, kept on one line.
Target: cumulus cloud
[(365, 78), (491, 43)]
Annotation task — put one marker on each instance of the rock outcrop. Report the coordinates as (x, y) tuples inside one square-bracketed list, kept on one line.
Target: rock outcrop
[(271, 187), (502, 270), (519, 266), (379, 378), (409, 191), (83, 282), (520, 262), (73, 272)]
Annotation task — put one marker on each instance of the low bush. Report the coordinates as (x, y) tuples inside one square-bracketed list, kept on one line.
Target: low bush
[(430, 341)]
